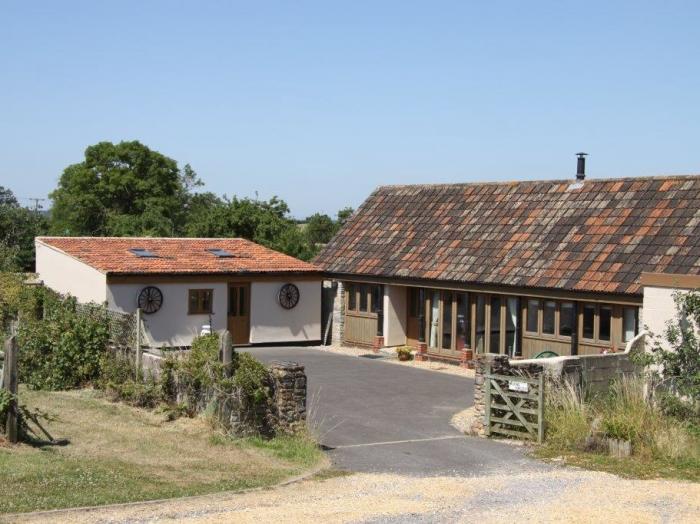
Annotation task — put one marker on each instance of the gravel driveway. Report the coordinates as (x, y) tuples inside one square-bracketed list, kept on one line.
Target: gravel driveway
[(562, 495)]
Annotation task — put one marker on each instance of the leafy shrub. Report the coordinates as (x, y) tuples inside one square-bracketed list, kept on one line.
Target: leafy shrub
[(5, 400), (251, 377), (404, 353), (62, 350), (120, 380), (680, 409), (200, 380)]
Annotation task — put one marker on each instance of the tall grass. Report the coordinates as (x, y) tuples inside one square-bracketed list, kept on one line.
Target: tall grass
[(567, 415), (576, 423)]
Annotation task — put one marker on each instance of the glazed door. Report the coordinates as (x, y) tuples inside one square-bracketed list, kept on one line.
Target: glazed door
[(239, 312)]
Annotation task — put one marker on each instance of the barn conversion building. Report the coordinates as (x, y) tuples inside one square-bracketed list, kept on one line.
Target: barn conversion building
[(521, 268), (183, 284)]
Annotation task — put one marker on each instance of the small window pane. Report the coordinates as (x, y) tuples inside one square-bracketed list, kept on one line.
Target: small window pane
[(480, 322), (533, 306), (566, 319), (512, 321), (377, 297), (464, 321), (363, 297), (242, 302), (548, 312), (629, 323), (352, 298), (421, 314), (200, 301), (605, 320), (413, 302), (447, 319), (206, 301), (588, 321), (232, 302), (434, 321), (495, 338)]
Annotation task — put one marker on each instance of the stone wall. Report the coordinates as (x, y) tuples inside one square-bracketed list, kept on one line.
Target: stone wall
[(284, 412), (288, 396), (338, 314)]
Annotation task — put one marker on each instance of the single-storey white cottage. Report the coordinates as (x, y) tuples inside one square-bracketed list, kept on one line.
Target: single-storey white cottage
[(182, 284)]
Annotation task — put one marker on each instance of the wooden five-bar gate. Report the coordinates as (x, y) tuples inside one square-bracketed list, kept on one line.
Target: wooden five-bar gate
[(514, 405)]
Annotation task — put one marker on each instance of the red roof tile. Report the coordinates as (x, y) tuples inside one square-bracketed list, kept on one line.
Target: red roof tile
[(111, 255), (596, 236)]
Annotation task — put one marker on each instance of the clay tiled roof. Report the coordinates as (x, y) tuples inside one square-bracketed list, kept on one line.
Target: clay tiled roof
[(597, 236), (111, 255)]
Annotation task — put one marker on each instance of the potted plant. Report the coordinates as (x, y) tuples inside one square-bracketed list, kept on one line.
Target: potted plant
[(404, 353)]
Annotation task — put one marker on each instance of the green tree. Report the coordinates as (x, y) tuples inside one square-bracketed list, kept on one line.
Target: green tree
[(266, 222), (320, 229), (123, 189), (343, 216), (18, 227)]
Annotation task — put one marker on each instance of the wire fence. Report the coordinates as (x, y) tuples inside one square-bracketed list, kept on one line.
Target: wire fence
[(123, 327)]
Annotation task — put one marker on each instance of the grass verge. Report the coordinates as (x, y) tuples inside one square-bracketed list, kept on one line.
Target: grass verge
[(122, 454)]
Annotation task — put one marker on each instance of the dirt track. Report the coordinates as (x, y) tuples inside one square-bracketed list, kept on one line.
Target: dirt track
[(560, 496)]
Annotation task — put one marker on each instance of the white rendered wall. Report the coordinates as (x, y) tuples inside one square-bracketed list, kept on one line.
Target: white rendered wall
[(271, 323), (395, 315), (171, 325), (68, 275), (658, 308)]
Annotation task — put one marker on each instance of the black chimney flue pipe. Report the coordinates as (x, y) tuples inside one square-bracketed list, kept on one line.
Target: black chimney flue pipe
[(581, 166)]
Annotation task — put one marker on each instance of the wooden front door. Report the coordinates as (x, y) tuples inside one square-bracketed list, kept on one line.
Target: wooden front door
[(239, 312)]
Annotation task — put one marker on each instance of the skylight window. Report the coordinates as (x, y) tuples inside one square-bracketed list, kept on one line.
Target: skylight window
[(221, 253), (143, 253)]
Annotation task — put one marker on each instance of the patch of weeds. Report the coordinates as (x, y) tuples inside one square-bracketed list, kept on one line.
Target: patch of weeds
[(331, 473)]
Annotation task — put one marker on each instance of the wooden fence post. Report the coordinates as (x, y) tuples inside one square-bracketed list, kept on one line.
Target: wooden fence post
[(226, 351), (138, 339), (10, 384), (487, 398), (540, 409)]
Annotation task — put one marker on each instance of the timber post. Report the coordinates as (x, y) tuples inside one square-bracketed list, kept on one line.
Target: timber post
[(540, 408), (10, 384), (226, 351), (487, 398)]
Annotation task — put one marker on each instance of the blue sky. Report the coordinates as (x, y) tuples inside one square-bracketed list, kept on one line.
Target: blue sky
[(319, 102)]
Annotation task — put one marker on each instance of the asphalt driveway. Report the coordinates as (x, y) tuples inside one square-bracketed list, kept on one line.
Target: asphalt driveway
[(375, 416)]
